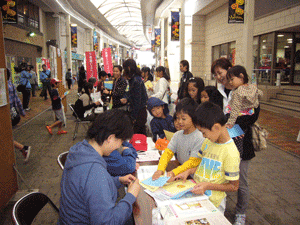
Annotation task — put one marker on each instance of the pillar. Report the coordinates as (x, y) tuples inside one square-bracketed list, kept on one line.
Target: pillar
[(162, 41), (68, 40), (182, 31)]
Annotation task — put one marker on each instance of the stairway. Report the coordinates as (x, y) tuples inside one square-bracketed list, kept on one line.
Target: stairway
[(287, 102)]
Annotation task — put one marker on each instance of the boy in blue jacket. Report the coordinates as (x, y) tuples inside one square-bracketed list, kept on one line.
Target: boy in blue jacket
[(161, 119)]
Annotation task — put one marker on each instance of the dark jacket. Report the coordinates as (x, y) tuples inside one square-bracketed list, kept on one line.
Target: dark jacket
[(158, 125), (118, 92), (82, 76), (80, 109), (183, 82)]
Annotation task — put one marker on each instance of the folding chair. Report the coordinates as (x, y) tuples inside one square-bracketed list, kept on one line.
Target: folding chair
[(61, 159), (27, 208), (77, 121)]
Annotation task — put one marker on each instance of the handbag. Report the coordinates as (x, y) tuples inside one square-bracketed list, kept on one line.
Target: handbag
[(259, 137), (15, 116)]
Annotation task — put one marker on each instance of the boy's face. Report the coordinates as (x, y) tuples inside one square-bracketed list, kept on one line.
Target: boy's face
[(102, 78), (184, 120), (176, 124), (213, 134), (158, 111)]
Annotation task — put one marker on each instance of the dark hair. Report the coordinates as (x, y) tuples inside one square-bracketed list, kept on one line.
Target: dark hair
[(69, 69), (82, 68), (163, 69), (110, 122), (214, 95), (199, 84), (132, 70), (31, 67), (236, 71), (92, 80), (185, 63), (146, 69), (102, 73), (208, 114), (7, 74), (87, 86), (188, 106), (119, 68), (44, 65), (222, 63)]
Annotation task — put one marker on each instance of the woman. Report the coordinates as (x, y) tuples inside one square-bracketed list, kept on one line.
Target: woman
[(25, 77), (81, 78), (162, 87), (119, 87), (137, 97), (84, 105), (147, 76), (185, 69), (219, 69)]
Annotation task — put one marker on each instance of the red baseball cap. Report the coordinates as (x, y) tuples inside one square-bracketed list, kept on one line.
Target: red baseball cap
[(54, 81)]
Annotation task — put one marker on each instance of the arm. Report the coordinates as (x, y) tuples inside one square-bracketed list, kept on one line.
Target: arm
[(165, 159), (231, 186), (248, 120), (155, 129), (191, 163)]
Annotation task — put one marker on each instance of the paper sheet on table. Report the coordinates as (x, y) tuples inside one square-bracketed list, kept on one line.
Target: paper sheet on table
[(96, 97), (168, 134), (178, 186), (180, 194), (149, 84), (156, 183), (148, 156), (235, 131), (145, 172), (150, 188)]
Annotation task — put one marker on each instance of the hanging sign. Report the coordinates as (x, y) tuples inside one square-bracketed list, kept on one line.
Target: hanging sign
[(74, 36), (236, 11), (95, 41), (106, 55), (91, 65), (9, 11), (152, 45), (174, 26), (157, 33)]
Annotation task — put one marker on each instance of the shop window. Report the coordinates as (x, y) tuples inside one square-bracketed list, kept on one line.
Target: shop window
[(226, 50), (28, 14)]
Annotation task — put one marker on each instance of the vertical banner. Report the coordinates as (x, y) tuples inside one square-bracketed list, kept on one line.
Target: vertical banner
[(91, 65), (9, 11), (152, 45), (95, 41), (106, 55), (174, 26), (157, 33), (74, 36), (236, 11)]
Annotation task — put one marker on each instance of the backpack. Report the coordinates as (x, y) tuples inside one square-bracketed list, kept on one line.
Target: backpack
[(259, 137)]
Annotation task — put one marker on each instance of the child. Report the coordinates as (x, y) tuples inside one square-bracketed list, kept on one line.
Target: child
[(219, 169), (185, 143), (244, 97), (161, 119), (57, 108), (211, 94), (176, 122), (88, 191), (194, 88)]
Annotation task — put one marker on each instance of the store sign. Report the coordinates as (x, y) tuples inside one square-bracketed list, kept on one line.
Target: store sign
[(236, 11), (74, 36), (157, 33), (174, 26), (9, 11), (95, 41), (106, 55), (91, 65)]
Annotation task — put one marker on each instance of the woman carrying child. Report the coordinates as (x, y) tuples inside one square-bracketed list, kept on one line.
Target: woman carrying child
[(195, 86)]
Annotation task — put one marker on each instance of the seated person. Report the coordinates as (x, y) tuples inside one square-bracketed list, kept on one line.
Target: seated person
[(219, 169), (84, 105), (185, 143), (122, 161), (161, 119)]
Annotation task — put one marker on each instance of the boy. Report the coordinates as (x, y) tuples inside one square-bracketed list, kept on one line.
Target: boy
[(219, 169), (185, 143), (57, 108), (161, 119), (45, 79)]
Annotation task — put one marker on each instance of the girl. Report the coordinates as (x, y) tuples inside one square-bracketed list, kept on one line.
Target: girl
[(244, 97), (194, 88), (146, 75), (211, 94), (162, 87)]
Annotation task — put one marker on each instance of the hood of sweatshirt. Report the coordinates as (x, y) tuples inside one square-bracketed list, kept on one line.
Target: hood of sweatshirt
[(152, 102)]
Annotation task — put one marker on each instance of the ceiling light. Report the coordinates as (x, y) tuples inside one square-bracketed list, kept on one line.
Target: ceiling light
[(264, 40), (289, 39), (286, 46), (280, 35), (73, 25), (264, 47)]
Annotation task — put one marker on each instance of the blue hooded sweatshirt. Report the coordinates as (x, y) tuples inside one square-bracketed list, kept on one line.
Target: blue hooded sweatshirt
[(88, 192), (158, 125), (121, 164)]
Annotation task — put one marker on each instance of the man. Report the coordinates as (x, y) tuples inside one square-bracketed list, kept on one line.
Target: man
[(45, 77)]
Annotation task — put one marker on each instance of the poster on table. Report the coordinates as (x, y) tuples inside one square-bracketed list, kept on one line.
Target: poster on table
[(91, 65), (152, 45), (157, 33), (74, 36), (3, 95), (107, 61), (9, 11), (236, 11), (174, 26), (95, 41)]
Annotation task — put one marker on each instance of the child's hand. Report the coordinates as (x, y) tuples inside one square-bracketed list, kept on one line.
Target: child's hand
[(157, 174), (183, 176), (127, 179), (171, 175), (134, 187), (229, 126), (123, 100), (200, 188), (98, 103), (137, 166)]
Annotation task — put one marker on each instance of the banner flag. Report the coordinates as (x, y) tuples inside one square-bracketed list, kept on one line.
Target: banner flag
[(152, 45), (174, 26), (236, 11), (91, 65), (74, 36), (9, 11), (95, 41), (157, 33), (107, 61)]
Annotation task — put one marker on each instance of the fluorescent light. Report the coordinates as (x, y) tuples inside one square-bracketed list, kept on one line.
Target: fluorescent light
[(73, 25), (264, 40), (286, 46), (289, 39), (280, 35)]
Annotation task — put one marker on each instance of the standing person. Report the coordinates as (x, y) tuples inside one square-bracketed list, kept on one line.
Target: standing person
[(81, 78), (147, 77), (137, 97), (162, 87), (119, 87), (25, 77), (69, 78), (45, 77), (33, 80), (88, 192), (194, 88), (219, 69), (184, 68)]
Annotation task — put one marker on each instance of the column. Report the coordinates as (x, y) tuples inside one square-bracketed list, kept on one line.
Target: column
[(162, 42), (68, 40), (182, 31)]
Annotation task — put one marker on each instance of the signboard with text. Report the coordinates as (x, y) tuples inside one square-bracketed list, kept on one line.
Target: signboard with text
[(91, 65), (107, 61)]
